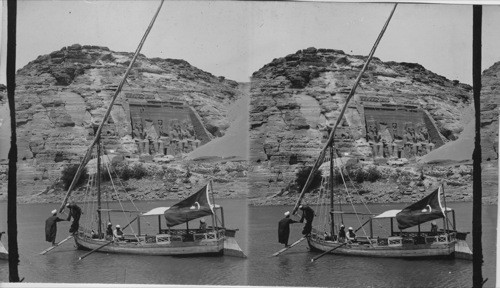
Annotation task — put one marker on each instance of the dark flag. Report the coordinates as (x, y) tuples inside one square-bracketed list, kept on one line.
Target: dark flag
[(427, 209), (193, 207)]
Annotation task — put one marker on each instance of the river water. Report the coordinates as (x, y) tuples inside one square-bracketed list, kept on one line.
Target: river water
[(62, 265), (258, 238), (293, 268)]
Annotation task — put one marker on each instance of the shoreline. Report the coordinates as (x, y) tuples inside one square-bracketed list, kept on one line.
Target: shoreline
[(136, 190), (290, 202), (265, 201)]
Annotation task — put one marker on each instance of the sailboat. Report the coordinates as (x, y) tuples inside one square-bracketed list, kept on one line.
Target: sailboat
[(399, 244), (212, 240), (404, 242), (167, 241)]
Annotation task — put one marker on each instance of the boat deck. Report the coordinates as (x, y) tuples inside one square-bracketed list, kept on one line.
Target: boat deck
[(173, 243), (399, 246)]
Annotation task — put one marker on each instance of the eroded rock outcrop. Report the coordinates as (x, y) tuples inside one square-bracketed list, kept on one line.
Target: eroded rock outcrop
[(62, 96), (490, 100), (295, 97)]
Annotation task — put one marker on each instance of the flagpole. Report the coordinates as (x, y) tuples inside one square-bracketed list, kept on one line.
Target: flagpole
[(445, 208), (214, 215)]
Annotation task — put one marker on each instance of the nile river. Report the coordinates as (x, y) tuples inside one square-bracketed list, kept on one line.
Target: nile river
[(258, 238), (62, 265), (294, 267)]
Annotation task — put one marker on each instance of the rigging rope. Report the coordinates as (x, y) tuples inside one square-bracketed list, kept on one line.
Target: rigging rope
[(350, 200), (342, 112), (322, 207), (85, 202), (120, 202), (359, 195), (86, 158), (119, 182)]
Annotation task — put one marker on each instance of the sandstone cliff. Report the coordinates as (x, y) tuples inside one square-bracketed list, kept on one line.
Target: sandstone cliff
[(61, 96), (293, 98)]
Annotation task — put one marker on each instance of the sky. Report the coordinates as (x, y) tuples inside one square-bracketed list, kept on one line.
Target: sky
[(234, 39)]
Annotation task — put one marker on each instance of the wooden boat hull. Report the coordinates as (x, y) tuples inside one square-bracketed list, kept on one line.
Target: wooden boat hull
[(401, 250), (200, 247)]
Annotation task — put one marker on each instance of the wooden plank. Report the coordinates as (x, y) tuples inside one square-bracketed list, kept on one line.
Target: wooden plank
[(57, 245), (286, 248)]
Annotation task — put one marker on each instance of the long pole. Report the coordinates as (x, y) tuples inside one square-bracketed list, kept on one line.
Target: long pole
[(332, 228), (86, 158), (102, 246), (477, 257), (326, 252), (99, 214), (339, 119), (12, 175)]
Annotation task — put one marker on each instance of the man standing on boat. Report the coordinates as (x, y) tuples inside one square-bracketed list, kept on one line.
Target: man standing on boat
[(51, 227), (74, 211), (284, 229), (308, 215)]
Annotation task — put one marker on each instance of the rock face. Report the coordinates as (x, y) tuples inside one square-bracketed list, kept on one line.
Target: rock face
[(293, 98), (490, 99), (62, 96)]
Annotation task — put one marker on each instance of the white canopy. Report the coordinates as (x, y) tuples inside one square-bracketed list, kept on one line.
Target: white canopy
[(156, 211), (388, 214)]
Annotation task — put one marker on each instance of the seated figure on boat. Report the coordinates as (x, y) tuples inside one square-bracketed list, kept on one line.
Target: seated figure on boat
[(118, 233), (203, 226), (109, 231), (434, 229), (351, 235), (342, 234)]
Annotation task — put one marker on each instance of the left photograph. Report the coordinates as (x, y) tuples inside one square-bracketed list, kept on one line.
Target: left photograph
[(131, 168)]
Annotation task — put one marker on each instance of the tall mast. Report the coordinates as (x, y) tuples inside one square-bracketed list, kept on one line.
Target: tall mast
[(86, 158), (339, 119), (99, 219), (332, 228)]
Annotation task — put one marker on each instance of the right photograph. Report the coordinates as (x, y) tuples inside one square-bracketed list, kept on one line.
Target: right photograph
[(362, 132)]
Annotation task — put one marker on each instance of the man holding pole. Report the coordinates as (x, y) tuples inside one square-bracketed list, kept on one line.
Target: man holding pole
[(284, 229), (308, 215), (74, 211), (51, 227)]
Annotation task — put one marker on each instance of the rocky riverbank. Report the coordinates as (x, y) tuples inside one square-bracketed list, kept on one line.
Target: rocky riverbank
[(398, 185), (139, 190), (174, 180)]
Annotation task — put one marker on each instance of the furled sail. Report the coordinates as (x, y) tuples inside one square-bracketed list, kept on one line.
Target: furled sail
[(193, 207), (427, 209)]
